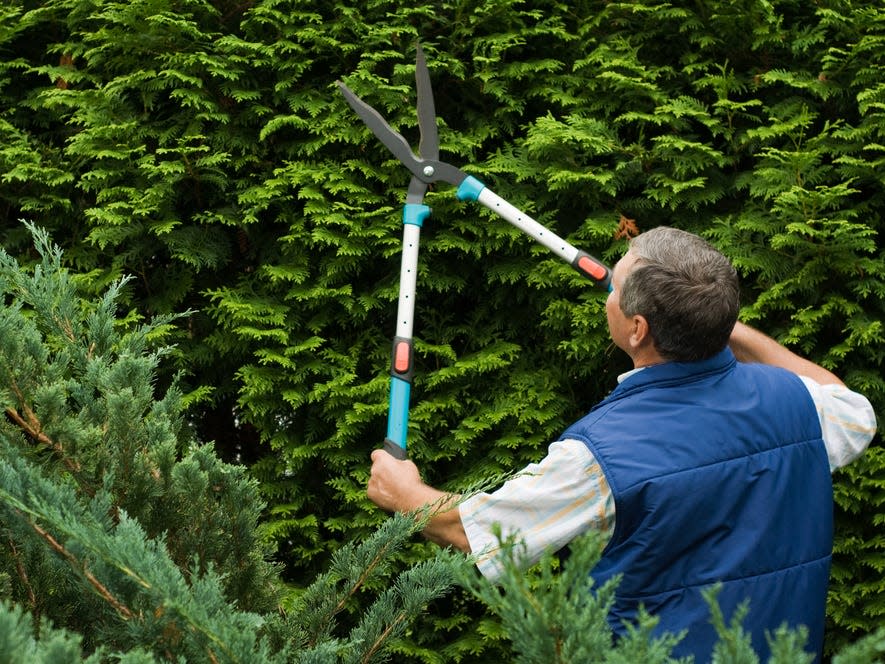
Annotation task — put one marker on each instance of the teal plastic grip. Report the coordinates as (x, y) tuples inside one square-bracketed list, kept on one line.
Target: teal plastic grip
[(398, 412), (469, 189), (415, 214)]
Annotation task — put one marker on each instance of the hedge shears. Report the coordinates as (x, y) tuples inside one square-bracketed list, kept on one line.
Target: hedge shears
[(426, 169)]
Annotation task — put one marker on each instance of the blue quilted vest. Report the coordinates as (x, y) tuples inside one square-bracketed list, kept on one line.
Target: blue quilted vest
[(719, 475)]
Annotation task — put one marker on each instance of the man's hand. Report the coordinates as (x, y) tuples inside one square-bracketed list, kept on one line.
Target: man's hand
[(393, 482), (396, 486)]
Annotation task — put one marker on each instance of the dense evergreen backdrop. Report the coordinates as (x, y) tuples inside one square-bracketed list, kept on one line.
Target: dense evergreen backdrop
[(202, 148)]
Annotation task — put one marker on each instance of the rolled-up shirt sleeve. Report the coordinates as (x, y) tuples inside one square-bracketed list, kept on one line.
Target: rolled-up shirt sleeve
[(545, 506), (847, 421)]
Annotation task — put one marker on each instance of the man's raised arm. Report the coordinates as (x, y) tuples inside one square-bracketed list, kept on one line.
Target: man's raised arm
[(750, 345)]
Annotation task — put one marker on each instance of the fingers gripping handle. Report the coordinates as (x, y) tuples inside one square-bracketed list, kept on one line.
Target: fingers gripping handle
[(472, 189)]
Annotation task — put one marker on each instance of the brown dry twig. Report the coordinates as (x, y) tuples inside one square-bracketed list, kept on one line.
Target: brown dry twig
[(627, 228)]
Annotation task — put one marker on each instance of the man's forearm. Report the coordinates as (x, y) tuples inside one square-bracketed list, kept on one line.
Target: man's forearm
[(444, 523), (749, 345), (445, 527), (396, 486)]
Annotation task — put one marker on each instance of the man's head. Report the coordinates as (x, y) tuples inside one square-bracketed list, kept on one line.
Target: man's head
[(676, 288)]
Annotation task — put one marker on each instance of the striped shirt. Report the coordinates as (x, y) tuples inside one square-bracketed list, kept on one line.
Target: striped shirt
[(551, 502)]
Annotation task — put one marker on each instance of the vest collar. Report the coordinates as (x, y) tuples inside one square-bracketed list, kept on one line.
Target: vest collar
[(675, 372)]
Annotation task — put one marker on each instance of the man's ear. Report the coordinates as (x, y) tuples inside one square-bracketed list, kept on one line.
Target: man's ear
[(640, 334)]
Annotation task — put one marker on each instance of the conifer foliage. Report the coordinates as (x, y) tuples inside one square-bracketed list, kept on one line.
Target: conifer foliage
[(202, 147), (554, 615), (122, 537)]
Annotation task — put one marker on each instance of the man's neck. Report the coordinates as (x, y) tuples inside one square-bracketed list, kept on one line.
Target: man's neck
[(647, 357)]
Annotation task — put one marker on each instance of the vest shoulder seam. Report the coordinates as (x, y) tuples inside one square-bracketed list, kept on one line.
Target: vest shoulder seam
[(804, 441)]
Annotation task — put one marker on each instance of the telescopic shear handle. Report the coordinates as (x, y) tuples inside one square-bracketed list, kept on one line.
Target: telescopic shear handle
[(426, 169), (472, 189)]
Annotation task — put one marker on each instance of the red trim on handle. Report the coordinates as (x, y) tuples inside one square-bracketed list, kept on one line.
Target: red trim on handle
[(591, 267), (401, 357)]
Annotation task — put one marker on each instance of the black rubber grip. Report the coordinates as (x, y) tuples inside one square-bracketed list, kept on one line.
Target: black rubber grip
[(394, 450)]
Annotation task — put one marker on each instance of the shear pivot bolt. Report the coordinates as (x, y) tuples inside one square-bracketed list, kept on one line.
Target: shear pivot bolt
[(428, 171)]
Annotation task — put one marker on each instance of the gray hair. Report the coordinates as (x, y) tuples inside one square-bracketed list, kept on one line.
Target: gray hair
[(686, 290)]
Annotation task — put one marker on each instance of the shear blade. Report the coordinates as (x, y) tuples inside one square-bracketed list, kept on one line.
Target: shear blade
[(392, 140), (428, 147)]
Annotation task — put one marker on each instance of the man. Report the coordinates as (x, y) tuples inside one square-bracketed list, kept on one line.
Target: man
[(709, 463)]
